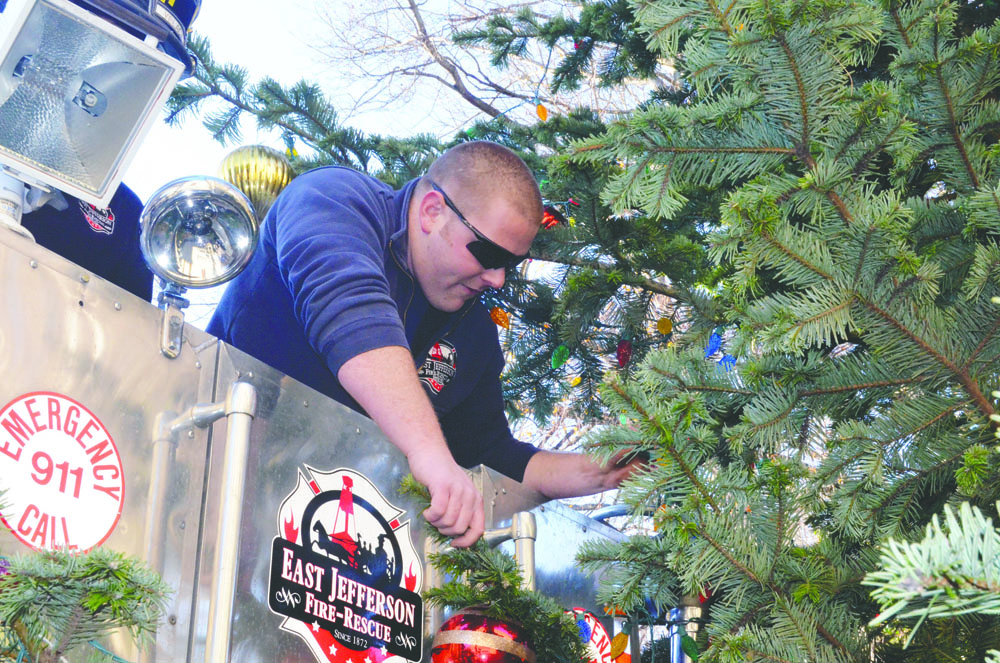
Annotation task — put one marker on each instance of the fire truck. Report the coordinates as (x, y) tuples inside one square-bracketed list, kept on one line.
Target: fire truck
[(270, 510)]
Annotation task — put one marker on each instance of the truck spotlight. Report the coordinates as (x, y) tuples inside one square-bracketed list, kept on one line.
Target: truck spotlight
[(196, 232), (77, 93)]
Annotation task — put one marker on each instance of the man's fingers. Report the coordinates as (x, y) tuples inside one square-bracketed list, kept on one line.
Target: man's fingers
[(449, 525), (439, 504), (474, 532), (456, 507), (628, 457), (457, 513)]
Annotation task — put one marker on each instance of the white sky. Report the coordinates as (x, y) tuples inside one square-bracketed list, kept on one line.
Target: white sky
[(265, 37)]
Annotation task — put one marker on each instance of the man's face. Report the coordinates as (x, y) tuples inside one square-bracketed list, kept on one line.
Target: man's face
[(448, 272)]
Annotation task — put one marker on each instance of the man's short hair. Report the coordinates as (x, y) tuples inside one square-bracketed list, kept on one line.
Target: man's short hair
[(478, 172)]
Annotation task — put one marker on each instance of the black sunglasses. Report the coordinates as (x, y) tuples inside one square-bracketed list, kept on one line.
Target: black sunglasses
[(489, 254)]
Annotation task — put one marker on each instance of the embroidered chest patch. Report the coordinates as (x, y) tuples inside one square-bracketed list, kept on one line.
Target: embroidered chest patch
[(439, 367), (101, 220)]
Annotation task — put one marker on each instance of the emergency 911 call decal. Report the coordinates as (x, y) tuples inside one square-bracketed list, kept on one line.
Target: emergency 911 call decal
[(594, 636), (344, 572), (62, 473)]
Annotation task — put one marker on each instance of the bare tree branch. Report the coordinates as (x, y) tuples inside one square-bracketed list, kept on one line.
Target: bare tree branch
[(405, 47)]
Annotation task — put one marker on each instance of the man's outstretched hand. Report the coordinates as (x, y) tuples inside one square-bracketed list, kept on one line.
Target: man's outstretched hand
[(456, 506), (558, 475)]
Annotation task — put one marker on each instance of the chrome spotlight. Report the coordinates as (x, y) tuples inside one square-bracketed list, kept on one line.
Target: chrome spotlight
[(196, 232)]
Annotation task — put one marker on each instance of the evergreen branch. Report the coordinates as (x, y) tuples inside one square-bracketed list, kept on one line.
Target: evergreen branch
[(747, 618), (962, 376), (674, 22), (858, 386), (217, 91), (828, 313), (903, 434), (668, 149), (863, 256), (76, 617), (779, 592), (794, 256), (488, 579), (775, 419), (271, 88), (834, 642), (736, 564), (904, 31), (803, 153), (795, 621), (669, 447), (908, 481), (701, 387), (800, 86), (803, 432), (952, 117), (901, 289), (764, 149), (598, 266), (55, 601), (952, 571), (665, 182), (729, 9), (758, 655), (779, 539), (721, 16), (879, 148), (982, 345)]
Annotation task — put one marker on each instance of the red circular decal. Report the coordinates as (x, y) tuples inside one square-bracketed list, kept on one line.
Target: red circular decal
[(61, 472), (594, 635)]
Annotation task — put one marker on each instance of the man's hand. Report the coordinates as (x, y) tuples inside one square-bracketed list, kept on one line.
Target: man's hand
[(456, 506), (622, 466), (384, 382), (558, 475)]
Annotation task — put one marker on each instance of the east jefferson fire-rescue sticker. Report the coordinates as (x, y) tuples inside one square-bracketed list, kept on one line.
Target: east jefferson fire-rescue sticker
[(62, 473), (344, 572)]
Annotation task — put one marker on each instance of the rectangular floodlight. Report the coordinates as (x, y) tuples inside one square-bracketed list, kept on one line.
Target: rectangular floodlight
[(77, 95)]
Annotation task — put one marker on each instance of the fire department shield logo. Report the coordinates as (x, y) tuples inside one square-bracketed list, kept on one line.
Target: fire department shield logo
[(100, 220), (439, 367), (344, 572)]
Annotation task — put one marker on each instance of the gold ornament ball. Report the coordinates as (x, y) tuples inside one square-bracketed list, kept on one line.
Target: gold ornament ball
[(259, 172)]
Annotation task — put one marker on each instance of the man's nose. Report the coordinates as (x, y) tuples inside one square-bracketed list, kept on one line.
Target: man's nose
[(494, 278)]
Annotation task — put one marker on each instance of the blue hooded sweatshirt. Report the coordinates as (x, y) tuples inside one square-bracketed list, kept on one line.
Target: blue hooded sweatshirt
[(330, 281)]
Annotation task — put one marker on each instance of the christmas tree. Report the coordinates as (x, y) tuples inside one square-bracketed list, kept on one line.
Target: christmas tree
[(834, 390)]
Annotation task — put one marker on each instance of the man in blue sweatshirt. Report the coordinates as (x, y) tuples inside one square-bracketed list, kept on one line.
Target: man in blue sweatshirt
[(371, 296)]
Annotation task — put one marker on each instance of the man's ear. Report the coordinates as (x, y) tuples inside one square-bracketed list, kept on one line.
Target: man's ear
[(430, 211)]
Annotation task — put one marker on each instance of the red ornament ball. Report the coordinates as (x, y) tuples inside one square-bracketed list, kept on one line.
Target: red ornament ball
[(469, 636)]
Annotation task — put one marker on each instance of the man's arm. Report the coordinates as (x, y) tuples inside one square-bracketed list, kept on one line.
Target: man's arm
[(558, 475), (384, 382)]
